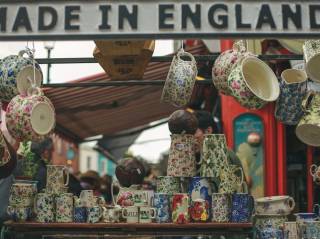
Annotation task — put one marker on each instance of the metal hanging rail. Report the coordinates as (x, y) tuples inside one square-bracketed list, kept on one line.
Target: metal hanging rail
[(198, 58)]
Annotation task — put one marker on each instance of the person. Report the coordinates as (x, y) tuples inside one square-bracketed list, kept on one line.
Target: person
[(90, 180), (43, 152), (106, 184), (206, 125)]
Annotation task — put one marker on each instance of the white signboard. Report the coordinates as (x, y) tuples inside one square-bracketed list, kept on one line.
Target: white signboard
[(175, 19)]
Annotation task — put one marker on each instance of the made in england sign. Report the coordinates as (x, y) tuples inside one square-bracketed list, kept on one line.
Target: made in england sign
[(175, 19)]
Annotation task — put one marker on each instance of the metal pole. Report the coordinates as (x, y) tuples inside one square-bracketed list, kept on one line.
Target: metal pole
[(49, 65)]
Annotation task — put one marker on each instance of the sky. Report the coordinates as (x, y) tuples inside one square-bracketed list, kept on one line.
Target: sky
[(159, 136)]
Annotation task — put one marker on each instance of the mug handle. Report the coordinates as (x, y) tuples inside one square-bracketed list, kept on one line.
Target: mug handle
[(184, 53), (313, 169), (242, 177), (123, 211), (305, 103), (241, 46), (67, 173), (101, 212), (9, 210), (293, 204), (154, 213), (34, 91), (251, 201)]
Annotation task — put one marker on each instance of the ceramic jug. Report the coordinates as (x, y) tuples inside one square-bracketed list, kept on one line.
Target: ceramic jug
[(111, 214), (271, 232), (230, 180), (214, 155), (180, 80), (293, 88), (253, 83), (126, 196), (182, 160), (55, 178), (18, 74), (311, 51), (308, 129), (281, 205), (30, 117), (225, 63), (315, 173), (262, 221)]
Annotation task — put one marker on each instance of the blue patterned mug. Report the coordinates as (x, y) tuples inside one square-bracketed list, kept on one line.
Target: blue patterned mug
[(242, 207), (80, 214), (94, 214), (161, 203)]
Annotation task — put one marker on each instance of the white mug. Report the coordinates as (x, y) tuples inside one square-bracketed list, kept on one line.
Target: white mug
[(140, 198), (131, 214), (146, 214), (87, 199)]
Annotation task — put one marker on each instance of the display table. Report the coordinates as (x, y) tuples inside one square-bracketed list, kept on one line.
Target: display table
[(110, 230)]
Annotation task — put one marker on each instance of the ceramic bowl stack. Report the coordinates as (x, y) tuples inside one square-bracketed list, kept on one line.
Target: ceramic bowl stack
[(21, 198), (271, 214)]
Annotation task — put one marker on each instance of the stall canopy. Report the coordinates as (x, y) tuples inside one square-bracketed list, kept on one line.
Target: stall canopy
[(84, 112)]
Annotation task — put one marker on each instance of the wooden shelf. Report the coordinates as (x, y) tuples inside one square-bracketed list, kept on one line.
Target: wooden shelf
[(129, 229)]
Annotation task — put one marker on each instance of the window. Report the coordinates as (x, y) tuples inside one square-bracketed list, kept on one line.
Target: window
[(88, 162), (103, 169)]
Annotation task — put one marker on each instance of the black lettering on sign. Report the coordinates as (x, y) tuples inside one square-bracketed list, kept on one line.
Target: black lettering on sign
[(104, 21), (239, 22), (22, 20), (313, 10), (295, 17), (222, 19), (265, 17), (3, 19), (195, 16), (164, 15), (43, 11), (71, 14), (132, 18)]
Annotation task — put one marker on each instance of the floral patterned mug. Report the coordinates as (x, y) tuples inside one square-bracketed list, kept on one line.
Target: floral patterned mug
[(311, 50), (30, 117), (180, 80), (64, 207), (44, 207), (180, 208), (17, 74)]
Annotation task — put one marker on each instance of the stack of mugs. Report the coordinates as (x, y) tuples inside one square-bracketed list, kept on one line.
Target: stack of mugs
[(21, 200), (136, 205), (272, 212), (54, 204)]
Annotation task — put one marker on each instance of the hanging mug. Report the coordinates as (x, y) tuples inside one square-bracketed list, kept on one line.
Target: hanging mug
[(311, 51), (31, 117), (293, 88), (17, 74), (225, 63), (253, 83), (180, 80), (214, 155), (315, 173), (308, 129), (182, 159), (55, 178)]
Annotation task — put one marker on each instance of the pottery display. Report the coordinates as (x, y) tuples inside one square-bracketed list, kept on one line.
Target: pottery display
[(308, 129), (19, 214), (214, 155), (44, 207), (262, 221), (94, 214), (253, 83), (111, 214), (146, 214), (199, 210), (231, 178), (180, 208), (311, 51), (18, 74), (182, 160), (55, 179), (293, 88), (161, 203), (131, 214), (315, 173), (168, 184), (225, 63), (64, 207), (242, 207), (180, 80), (80, 214), (221, 207), (281, 205), (30, 117)]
